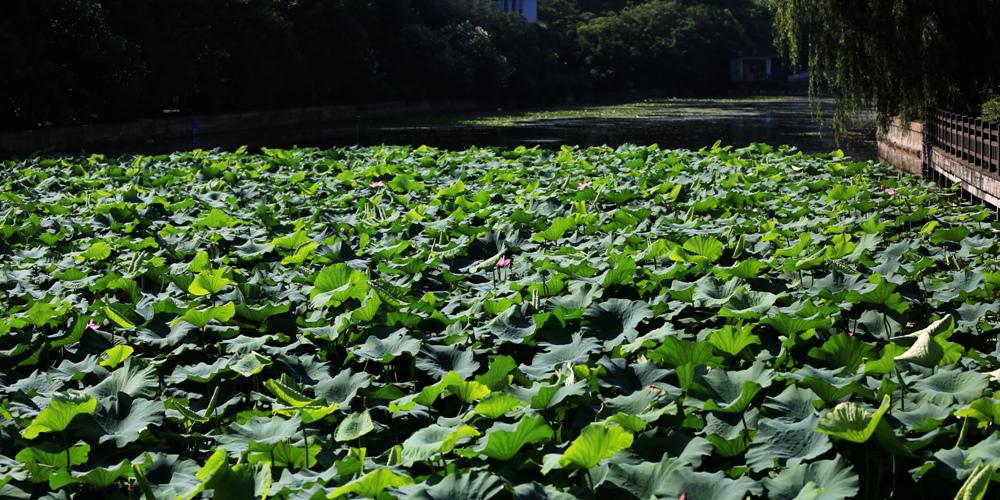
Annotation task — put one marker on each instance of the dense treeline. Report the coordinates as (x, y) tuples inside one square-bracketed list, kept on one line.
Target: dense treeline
[(72, 61)]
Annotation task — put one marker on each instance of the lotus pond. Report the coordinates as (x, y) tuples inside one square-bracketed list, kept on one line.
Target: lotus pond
[(419, 323)]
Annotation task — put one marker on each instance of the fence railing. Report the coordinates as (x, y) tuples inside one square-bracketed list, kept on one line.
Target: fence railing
[(969, 139)]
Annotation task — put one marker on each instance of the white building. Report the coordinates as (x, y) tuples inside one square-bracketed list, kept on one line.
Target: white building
[(527, 8), (751, 67)]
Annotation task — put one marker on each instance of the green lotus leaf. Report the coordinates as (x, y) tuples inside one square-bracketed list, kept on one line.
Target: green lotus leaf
[(207, 282), (632, 377), (576, 352), (337, 283), (511, 326), (372, 484), (556, 230), (985, 410), (926, 417), (438, 361), (471, 486), (746, 269), (249, 250), (467, 391), (123, 315), (200, 262), (615, 319), (842, 192), (202, 372), (646, 479), (385, 350), (929, 347), (161, 331), (537, 491), (250, 364), (709, 485), (116, 355), (699, 249), (949, 386), (287, 394), (676, 352), (975, 486), (953, 234), (97, 251), (790, 325), (496, 405), (843, 352), (581, 295), (821, 480), (171, 475), (301, 254), (101, 477), (354, 426), (136, 378), (265, 431), (342, 388), (733, 339), (42, 461), (958, 463), (241, 481), (729, 391), (283, 454), (201, 317), (68, 370), (497, 377), (829, 386), (836, 286), (713, 292), (971, 315), (121, 419), (748, 304), (595, 443), (786, 444), (881, 293), (218, 219), (541, 397), (732, 426), (851, 421), (61, 410), (434, 439)]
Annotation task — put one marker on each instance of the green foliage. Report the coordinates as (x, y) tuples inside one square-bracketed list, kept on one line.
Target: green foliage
[(781, 348), (990, 110), (900, 57)]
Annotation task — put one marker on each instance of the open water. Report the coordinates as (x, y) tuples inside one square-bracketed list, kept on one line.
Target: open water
[(670, 124)]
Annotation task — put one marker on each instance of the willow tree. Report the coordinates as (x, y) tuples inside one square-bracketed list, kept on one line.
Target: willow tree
[(900, 56)]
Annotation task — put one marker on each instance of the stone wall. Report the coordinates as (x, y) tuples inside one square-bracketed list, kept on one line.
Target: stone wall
[(903, 149), (982, 184), (167, 128)]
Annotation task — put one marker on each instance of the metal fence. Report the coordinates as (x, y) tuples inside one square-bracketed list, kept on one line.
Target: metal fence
[(969, 139)]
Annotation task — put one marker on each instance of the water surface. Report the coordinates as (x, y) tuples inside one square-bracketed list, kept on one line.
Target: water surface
[(671, 124)]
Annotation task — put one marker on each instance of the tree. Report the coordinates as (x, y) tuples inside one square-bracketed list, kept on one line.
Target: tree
[(900, 56), (680, 46)]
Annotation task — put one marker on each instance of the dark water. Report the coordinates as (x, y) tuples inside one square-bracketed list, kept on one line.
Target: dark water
[(669, 124)]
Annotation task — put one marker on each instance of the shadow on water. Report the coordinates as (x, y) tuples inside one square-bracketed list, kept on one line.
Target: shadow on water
[(681, 124)]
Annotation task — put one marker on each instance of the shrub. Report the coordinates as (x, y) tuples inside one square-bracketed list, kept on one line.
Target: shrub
[(991, 110)]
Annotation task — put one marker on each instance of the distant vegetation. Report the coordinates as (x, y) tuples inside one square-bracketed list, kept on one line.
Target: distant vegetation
[(73, 61)]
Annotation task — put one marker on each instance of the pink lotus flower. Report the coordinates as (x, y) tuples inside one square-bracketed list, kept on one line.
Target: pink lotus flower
[(850, 334), (92, 325), (377, 184), (891, 191), (584, 184), (503, 262)]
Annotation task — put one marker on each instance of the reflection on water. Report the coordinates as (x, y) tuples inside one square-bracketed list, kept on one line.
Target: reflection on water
[(669, 124)]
